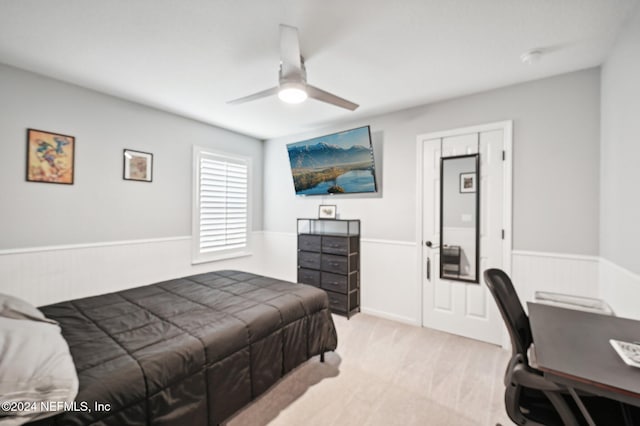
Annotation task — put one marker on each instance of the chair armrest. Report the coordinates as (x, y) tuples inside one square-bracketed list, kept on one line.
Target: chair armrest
[(527, 378), (521, 374)]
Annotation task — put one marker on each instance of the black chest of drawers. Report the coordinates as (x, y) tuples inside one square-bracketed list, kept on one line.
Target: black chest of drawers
[(331, 261)]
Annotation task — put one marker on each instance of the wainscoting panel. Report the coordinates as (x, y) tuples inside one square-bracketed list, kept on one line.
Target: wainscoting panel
[(389, 280), (388, 269), (280, 255), (52, 274), (620, 288), (561, 273)]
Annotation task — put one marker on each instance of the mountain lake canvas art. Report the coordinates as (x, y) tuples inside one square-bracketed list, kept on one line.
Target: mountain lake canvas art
[(333, 164)]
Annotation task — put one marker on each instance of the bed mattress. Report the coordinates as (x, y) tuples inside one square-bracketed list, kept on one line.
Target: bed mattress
[(190, 351)]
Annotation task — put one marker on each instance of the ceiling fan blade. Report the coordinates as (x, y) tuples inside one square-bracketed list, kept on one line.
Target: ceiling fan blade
[(263, 94), (330, 98), (290, 53)]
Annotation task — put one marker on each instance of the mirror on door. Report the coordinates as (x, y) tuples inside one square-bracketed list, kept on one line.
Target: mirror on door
[(459, 221)]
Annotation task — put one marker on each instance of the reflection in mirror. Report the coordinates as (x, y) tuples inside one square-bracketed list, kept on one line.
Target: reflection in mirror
[(459, 221)]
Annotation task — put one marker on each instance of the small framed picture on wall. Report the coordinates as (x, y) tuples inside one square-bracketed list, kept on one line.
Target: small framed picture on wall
[(327, 212), (138, 166)]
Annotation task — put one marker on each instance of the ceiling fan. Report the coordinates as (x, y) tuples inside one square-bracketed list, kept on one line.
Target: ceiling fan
[(293, 87)]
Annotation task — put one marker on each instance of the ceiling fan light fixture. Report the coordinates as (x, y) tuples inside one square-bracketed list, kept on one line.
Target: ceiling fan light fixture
[(292, 77), (292, 93)]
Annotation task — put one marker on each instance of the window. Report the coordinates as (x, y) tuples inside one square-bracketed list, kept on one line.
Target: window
[(221, 206)]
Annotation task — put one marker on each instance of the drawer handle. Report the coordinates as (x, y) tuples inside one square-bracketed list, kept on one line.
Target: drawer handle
[(334, 264)]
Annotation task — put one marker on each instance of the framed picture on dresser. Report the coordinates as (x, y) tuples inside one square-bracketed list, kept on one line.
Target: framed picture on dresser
[(327, 211)]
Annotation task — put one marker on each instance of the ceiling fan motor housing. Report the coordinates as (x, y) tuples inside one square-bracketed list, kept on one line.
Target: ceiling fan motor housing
[(293, 75)]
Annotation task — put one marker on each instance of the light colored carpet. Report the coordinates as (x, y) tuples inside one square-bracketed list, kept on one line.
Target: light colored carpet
[(387, 373)]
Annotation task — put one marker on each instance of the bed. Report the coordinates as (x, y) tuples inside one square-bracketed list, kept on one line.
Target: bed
[(188, 351)]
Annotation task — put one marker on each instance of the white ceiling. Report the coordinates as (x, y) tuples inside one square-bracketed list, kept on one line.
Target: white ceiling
[(191, 56)]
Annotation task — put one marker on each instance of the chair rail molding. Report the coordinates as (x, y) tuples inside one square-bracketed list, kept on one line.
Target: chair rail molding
[(91, 245)]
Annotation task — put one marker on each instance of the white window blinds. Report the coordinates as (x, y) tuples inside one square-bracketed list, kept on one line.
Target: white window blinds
[(222, 203)]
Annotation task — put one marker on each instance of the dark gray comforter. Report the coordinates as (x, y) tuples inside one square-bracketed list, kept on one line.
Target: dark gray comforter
[(190, 351)]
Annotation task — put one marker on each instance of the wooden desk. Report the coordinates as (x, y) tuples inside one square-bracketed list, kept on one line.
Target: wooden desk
[(572, 349)]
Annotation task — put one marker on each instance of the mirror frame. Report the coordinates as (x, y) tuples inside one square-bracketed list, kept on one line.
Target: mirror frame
[(477, 276)]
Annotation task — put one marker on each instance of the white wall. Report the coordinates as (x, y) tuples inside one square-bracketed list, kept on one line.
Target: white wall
[(118, 234), (556, 162), (100, 206), (102, 233), (620, 147), (620, 208), (556, 197)]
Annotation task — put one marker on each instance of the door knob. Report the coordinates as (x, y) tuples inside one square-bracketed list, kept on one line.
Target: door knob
[(429, 243)]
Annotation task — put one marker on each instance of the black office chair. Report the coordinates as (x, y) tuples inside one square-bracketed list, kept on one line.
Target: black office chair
[(530, 399)]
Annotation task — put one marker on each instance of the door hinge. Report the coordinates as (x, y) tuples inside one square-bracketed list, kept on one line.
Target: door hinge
[(503, 234), (504, 155)]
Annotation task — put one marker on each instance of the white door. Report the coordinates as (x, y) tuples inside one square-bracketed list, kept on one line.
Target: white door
[(458, 307)]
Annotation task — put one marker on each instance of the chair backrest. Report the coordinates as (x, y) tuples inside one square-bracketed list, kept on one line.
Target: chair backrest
[(542, 403), (511, 310)]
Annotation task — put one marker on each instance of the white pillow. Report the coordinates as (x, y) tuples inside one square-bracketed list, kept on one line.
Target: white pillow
[(12, 307), (35, 365)]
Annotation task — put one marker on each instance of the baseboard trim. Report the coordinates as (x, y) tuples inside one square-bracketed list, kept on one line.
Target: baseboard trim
[(392, 317)]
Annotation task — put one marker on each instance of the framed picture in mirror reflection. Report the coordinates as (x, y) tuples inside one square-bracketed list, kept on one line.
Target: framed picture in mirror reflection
[(467, 182)]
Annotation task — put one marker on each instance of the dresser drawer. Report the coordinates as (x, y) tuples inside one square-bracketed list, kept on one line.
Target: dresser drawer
[(307, 259), (332, 263), (309, 242), (337, 302), (334, 282), (335, 245), (309, 276)]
